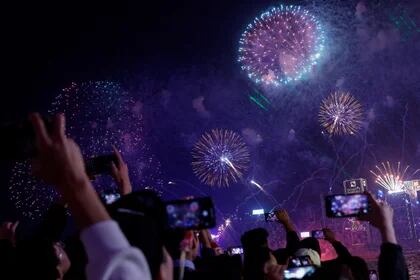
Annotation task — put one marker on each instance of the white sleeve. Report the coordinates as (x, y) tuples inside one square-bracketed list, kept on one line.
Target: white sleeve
[(110, 256)]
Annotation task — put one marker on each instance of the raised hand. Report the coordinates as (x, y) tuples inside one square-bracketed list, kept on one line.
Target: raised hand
[(283, 218), (59, 161), (274, 271), (8, 231), (381, 216), (120, 174), (329, 235)]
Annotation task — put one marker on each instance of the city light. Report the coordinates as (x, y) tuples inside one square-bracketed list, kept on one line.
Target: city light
[(256, 212), (305, 234)]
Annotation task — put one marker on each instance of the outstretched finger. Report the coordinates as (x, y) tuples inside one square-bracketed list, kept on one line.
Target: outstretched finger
[(369, 195), (114, 170), (118, 155), (59, 124), (280, 269), (14, 226), (41, 134), (196, 240)]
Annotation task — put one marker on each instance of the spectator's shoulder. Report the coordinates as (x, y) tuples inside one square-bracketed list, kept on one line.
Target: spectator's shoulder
[(386, 246)]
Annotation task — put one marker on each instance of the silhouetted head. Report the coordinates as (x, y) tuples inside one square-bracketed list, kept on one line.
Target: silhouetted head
[(311, 243), (254, 238)]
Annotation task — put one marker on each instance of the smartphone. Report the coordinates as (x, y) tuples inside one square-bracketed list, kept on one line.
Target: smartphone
[(299, 272), (235, 251), (300, 261), (110, 198), (195, 213), (373, 275), (351, 205), (100, 164), (318, 234), (18, 139), (270, 217)]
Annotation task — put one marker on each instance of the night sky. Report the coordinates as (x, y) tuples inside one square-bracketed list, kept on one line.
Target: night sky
[(179, 59)]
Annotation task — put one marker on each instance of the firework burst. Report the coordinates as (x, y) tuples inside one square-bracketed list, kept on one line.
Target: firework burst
[(341, 114), (392, 179), (281, 45), (99, 114), (220, 157)]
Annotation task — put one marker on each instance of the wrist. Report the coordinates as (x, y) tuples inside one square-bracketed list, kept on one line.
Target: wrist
[(77, 191), (85, 205), (72, 185), (388, 234), (125, 187), (288, 226)]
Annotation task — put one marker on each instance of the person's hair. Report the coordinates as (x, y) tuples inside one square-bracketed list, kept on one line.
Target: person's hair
[(359, 268), (312, 254), (38, 260), (54, 222), (254, 261), (254, 238), (310, 243), (141, 217), (256, 253)]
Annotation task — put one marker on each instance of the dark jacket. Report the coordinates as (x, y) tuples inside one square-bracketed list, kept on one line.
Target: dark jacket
[(292, 245), (391, 264), (343, 253)]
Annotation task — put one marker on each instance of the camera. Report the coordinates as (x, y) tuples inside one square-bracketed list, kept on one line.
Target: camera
[(351, 205), (235, 251), (299, 272), (373, 275), (100, 164), (110, 198), (300, 261), (270, 217), (195, 213), (318, 234)]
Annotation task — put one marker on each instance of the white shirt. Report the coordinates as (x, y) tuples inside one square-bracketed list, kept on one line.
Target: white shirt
[(110, 256), (187, 263)]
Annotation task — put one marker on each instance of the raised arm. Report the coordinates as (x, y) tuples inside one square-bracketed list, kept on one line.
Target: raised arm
[(292, 237), (391, 264), (120, 174), (60, 163), (340, 249)]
